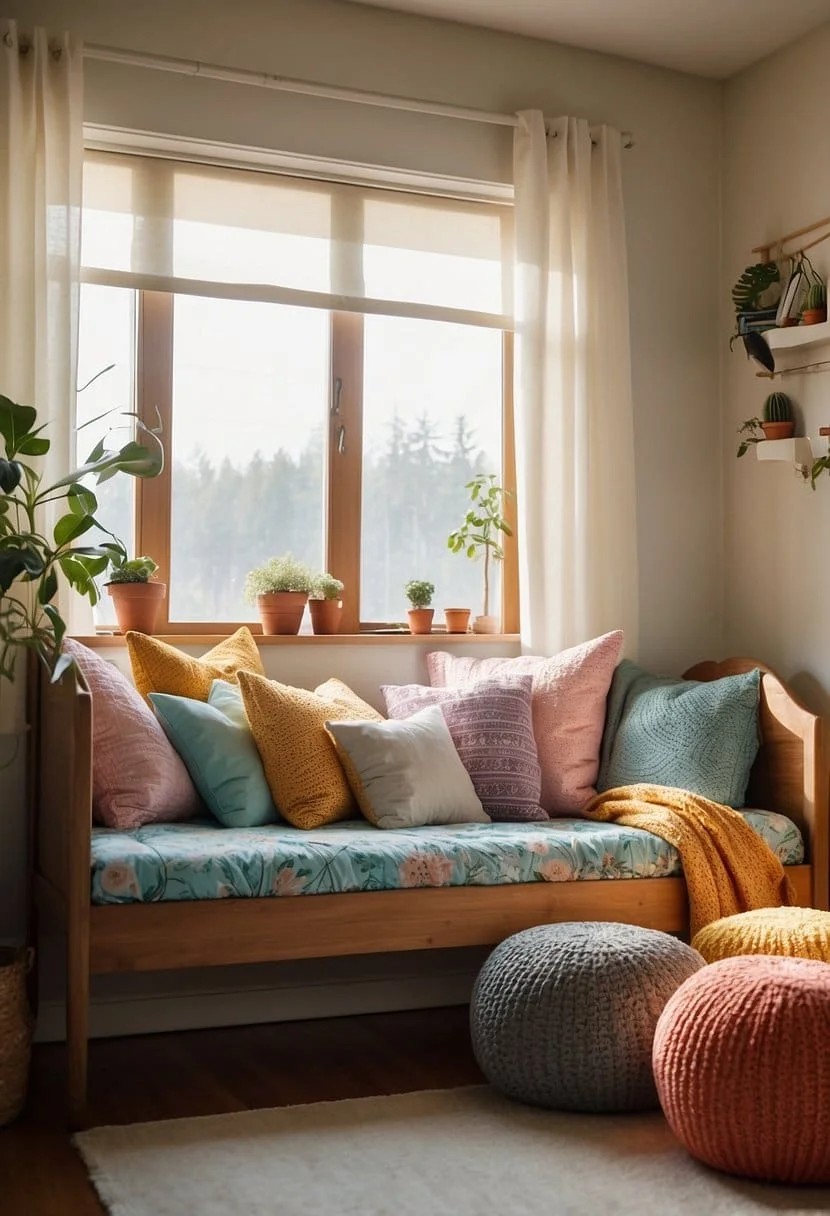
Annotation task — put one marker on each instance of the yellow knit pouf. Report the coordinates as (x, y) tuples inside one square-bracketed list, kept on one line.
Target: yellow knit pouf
[(796, 932)]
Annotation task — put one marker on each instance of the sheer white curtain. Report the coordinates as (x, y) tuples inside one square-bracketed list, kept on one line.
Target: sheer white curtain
[(576, 488), (41, 149)]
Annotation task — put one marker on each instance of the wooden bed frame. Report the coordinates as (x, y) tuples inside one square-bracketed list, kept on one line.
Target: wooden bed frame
[(789, 775)]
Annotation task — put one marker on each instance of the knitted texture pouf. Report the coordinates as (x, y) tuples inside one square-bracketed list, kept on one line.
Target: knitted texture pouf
[(742, 1064), (564, 1015), (798, 932)]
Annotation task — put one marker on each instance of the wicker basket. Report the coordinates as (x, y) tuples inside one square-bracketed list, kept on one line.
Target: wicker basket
[(15, 1032)]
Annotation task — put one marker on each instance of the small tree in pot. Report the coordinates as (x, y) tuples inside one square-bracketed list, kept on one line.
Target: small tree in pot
[(325, 604), (135, 597), (420, 593), (480, 535), (280, 589)]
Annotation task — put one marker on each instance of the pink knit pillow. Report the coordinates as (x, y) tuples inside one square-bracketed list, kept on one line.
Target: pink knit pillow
[(569, 692), (137, 777)]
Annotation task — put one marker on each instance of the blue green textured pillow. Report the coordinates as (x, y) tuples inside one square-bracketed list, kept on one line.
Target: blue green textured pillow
[(694, 735), (221, 757)]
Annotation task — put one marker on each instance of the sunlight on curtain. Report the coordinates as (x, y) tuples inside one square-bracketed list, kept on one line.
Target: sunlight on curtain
[(576, 486)]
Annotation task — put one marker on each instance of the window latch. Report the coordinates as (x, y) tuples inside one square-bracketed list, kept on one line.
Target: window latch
[(338, 389), (341, 439)]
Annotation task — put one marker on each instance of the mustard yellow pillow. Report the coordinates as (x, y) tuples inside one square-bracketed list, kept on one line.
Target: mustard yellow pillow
[(305, 777), (335, 690), (158, 667)]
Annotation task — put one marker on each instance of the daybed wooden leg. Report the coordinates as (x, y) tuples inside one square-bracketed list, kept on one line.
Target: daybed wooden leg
[(77, 1025)]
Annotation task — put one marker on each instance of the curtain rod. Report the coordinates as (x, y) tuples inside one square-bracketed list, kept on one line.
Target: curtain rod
[(310, 88)]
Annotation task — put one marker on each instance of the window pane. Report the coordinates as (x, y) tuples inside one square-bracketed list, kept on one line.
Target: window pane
[(432, 420), (250, 385), (107, 335)]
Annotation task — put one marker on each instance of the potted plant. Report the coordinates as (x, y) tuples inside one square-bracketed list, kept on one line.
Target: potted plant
[(815, 304), (280, 589), (457, 620), (777, 421), (420, 593), (325, 604), (480, 536), (136, 596), (33, 560)]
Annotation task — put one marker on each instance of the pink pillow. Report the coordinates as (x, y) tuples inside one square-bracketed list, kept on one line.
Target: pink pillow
[(137, 777), (569, 692)]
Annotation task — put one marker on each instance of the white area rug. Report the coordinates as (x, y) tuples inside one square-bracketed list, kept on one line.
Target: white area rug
[(459, 1152)]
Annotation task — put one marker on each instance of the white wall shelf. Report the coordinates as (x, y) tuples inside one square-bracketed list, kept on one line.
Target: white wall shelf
[(798, 336), (798, 349), (800, 451)]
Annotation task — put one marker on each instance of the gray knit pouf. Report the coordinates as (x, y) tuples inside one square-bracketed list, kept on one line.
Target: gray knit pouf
[(564, 1015)]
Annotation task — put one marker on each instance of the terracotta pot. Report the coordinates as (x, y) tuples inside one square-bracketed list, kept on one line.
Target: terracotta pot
[(813, 316), (457, 619), (15, 1032), (325, 615), (420, 620), (486, 624), (137, 605), (281, 611), (778, 430)]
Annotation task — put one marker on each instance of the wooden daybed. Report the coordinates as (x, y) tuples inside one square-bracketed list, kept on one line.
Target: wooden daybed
[(789, 776)]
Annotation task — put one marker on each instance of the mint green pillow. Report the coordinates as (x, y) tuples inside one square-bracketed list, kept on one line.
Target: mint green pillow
[(220, 754), (694, 735)]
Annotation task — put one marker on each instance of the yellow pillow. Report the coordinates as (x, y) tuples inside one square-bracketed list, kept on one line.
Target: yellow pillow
[(158, 667), (335, 690), (303, 773)]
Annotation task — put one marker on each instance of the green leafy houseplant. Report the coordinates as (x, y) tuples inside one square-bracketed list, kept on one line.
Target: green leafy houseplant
[(286, 573), (326, 587), (749, 431), (419, 593), (136, 570), (483, 528), (30, 561), (280, 588)]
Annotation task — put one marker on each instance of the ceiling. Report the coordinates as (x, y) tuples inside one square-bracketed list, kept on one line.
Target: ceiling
[(706, 37)]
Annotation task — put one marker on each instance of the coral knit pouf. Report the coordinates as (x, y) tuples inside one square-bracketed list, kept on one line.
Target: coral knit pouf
[(742, 1066), (798, 932)]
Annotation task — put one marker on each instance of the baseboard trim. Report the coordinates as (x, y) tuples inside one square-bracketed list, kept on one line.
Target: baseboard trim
[(114, 1016)]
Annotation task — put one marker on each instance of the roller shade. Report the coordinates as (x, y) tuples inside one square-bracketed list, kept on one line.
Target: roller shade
[(209, 230)]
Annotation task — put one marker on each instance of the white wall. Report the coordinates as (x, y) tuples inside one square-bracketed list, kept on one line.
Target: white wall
[(777, 532)]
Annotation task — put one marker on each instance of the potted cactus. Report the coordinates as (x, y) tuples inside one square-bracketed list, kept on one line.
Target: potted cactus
[(777, 422), (280, 589), (136, 596), (325, 604), (420, 593), (814, 310)]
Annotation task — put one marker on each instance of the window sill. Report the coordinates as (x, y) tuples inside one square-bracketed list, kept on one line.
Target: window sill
[(101, 640)]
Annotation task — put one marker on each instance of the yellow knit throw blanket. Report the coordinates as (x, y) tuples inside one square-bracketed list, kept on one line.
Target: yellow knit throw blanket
[(727, 866)]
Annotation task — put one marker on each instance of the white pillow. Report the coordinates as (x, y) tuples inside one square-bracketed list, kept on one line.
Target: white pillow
[(407, 773)]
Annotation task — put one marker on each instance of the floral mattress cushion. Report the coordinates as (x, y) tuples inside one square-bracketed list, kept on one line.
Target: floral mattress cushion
[(201, 860)]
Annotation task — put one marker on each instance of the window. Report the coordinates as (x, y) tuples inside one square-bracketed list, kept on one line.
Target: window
[(330, 364)]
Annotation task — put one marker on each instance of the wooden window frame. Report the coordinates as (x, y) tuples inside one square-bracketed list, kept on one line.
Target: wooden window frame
[(344, 464)]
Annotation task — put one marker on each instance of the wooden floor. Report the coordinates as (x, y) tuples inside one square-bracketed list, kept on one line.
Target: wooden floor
[(207, 1072)]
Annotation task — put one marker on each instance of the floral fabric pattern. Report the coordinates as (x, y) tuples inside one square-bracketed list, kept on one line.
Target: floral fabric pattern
[(201, 860)]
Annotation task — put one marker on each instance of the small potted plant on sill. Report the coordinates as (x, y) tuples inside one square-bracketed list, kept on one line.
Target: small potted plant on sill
[(777, 421), (815, 304), (136, 596), (420, 593), (325, 604), (280, 589), (457, 620), (480, 536)]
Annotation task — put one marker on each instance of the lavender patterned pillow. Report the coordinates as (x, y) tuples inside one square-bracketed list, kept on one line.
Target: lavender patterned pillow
[(491, 725)]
